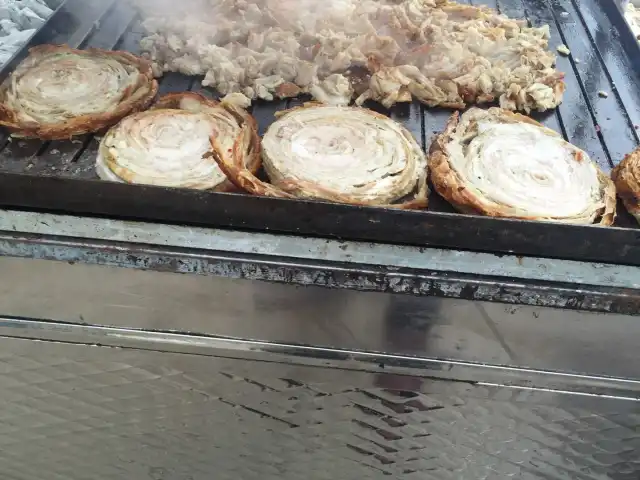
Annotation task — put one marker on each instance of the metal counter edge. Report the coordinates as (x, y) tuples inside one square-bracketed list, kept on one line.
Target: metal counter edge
[(321, 262)]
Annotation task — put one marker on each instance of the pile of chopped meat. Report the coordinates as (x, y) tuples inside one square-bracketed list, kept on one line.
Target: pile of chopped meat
[(438, 52)]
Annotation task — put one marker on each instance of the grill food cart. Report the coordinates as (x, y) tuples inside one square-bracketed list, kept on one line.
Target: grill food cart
[(162, 334)]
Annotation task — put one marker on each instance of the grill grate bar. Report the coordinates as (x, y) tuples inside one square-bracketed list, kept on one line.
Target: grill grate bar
[(88, 27), (606, 41), (575, 112), (608, 114)]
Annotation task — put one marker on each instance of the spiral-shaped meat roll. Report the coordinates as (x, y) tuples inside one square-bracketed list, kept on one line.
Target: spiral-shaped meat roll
[(498, 163), (339, 154), (169, 145), (626, 176), (58, 92)]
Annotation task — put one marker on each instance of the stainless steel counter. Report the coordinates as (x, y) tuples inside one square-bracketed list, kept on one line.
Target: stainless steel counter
[(142, 351)]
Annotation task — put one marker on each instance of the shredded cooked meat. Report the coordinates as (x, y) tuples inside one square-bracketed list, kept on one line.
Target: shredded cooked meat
[(436, 51)]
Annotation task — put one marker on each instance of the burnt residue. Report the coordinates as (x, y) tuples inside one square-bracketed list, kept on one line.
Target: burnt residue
[(325, 274), (359, 77)]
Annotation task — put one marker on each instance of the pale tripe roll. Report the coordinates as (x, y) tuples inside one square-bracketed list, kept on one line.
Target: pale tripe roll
[(626, 176), (58, 92), (340, 154), (498, 163), (169, 145)]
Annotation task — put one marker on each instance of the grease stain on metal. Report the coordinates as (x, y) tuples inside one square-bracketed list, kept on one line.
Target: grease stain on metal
[(330, 276)]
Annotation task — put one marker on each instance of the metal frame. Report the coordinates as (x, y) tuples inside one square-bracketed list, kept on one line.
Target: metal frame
[(153, 365), (309, 218), (327, 263), (323, 357), (615, 11), (274, 289)]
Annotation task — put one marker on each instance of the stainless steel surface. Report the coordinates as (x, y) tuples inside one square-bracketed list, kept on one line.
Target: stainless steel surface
[(132, 372), (97, 413), (317, 262), (187, 365), (485, 332), (394, 256), (315, 356)]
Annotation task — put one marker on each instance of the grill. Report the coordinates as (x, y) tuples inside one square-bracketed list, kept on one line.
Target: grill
[(60, 176)]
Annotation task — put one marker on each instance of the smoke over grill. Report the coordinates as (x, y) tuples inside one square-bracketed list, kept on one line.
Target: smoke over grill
[(438, 52)]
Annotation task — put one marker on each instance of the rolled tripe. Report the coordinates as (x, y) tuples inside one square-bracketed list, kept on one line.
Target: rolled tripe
[(169, 145), (58, 92), (340, 154), (502, 164)]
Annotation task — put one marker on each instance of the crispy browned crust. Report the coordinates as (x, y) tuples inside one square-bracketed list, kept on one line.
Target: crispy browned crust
[(84, 123), (233, 167), (450, 185), (626, 176), (247, 122)]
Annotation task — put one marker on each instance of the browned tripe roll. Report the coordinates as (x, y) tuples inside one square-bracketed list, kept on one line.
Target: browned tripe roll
[(339, 154), (502, 164), (58, 92), (169, 145), (626, 176)]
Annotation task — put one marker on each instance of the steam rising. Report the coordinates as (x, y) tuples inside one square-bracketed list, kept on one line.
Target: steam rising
[(387, 50), (300, 14)]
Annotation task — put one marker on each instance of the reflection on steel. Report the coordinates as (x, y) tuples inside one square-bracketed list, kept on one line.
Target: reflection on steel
[(88, 413), (404, 325), (372, 362)]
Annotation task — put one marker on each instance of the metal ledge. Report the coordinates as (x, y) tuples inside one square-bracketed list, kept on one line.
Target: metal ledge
[(373, 362), (319, 262)]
